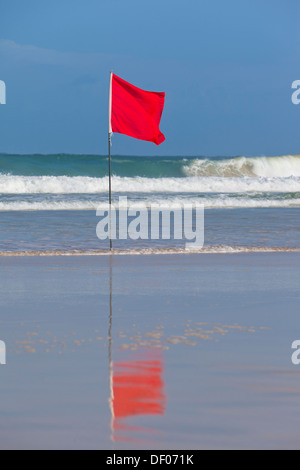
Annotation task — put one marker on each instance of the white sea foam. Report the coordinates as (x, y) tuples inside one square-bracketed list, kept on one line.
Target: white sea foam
[(206, 250), (176, 203), (10, 184)]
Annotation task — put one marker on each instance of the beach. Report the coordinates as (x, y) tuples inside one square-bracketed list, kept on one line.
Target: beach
[(212, 333), (155, 345)]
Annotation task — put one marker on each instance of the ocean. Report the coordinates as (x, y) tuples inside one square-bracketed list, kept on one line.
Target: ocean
[(48, 202)]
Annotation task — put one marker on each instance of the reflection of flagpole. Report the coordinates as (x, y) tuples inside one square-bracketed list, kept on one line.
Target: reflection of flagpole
[(109, 156), (111, 399)]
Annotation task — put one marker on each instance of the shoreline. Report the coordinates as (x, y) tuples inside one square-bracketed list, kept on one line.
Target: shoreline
[(158, 251)]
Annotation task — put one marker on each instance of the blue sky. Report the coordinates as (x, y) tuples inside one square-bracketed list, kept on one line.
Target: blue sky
[(226, 67)]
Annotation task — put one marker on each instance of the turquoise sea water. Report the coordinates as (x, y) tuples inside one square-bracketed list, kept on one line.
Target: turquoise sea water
[(49, 202)]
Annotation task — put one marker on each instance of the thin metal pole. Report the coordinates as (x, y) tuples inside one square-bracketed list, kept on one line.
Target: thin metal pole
[(109, 165), (109, 153)]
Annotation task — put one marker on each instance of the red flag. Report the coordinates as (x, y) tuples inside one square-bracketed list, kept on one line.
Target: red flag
[(135, 112)]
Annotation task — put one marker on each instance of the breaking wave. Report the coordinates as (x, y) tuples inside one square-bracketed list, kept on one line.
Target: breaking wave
[(270, 167), (80, 182), (96, 166), (10, 184)]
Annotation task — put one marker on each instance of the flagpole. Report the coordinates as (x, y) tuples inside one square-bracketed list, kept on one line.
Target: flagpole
[(109, 155)]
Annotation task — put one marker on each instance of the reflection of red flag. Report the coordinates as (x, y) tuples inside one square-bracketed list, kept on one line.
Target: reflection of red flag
[(137, 388), (135, 112)]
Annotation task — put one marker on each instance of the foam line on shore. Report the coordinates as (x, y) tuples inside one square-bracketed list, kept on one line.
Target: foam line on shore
[(156, 251)]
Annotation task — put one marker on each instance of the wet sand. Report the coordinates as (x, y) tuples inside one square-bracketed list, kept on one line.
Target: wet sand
[(210, 335)]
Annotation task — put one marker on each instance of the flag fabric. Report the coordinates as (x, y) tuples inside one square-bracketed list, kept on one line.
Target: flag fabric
[(135, 112)]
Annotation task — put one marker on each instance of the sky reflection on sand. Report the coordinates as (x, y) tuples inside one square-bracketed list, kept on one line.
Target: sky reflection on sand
[(212, 326), (135, 369)]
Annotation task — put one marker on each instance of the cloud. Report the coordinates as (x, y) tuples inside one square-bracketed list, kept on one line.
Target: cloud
[(17, 53)]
